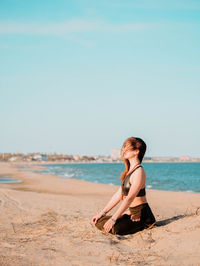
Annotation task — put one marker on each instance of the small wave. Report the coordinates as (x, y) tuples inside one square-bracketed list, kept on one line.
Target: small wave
[(149, 186), (9, 180), (55, 168), (69, 175)]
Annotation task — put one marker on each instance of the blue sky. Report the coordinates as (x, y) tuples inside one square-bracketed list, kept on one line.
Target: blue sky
[(79, 77)]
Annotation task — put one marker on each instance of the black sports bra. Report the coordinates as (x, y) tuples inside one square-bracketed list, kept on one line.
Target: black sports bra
[(126, 185)]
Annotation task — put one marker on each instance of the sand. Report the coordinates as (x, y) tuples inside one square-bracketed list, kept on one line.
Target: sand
[(46, 220)]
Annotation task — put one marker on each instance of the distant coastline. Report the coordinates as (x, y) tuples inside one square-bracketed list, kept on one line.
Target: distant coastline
[(64, 158)]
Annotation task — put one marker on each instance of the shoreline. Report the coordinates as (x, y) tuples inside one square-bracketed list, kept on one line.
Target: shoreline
[(46, 220), (40, 166), (18, 173)]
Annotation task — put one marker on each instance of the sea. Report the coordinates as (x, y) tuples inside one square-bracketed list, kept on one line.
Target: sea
[(161, 176), (7, 179)]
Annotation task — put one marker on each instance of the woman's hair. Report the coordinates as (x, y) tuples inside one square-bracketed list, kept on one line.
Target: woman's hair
[(132, 143)]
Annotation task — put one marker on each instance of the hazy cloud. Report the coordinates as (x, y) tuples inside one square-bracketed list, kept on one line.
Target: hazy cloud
[(72, 26)]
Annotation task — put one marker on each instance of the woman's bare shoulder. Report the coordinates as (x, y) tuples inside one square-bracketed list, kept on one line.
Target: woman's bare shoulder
[(139, 171)]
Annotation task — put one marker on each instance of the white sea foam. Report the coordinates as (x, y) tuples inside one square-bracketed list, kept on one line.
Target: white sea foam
[(69, 175), (149, 186)]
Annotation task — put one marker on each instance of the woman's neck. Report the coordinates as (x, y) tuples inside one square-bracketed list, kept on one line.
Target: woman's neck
[(133, 163)]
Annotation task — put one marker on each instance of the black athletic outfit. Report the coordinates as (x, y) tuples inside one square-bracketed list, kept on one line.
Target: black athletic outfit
[(124, 225)]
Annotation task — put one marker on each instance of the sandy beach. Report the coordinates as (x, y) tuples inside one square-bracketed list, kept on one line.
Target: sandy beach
[(46, 220)]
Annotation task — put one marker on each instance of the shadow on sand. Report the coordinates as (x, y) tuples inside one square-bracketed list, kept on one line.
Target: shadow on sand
[(169, 220), (175, 218)]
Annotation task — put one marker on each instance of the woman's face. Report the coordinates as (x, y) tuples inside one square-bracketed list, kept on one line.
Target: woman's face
[(128, 152)]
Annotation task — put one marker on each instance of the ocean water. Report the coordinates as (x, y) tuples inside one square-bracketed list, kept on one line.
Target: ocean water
[(161, 176), (7, 179)]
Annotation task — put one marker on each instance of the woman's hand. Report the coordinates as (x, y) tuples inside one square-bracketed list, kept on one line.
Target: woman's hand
[(135, 218), (96, 218), (108, 225)]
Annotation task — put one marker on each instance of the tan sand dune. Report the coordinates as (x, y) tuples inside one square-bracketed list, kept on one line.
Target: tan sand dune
[(46, 220)]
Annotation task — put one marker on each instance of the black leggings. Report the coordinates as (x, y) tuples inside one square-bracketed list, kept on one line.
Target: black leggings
[(124, 225)]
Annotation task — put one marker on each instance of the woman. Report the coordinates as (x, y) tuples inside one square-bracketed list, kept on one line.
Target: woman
[(131, 193)]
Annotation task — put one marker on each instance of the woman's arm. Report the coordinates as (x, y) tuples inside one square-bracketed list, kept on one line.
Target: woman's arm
[(136, 184), (111, 204), (116, 198)]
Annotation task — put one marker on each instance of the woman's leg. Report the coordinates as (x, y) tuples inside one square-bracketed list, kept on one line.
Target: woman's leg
[(101, 221), (124, 225), (147, 216)]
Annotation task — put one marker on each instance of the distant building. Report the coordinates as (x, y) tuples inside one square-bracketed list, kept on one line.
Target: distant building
[(12, 159), (76, 157), (115, 154), (44, 157), (184, 158), (36, 157), (147, 158)]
